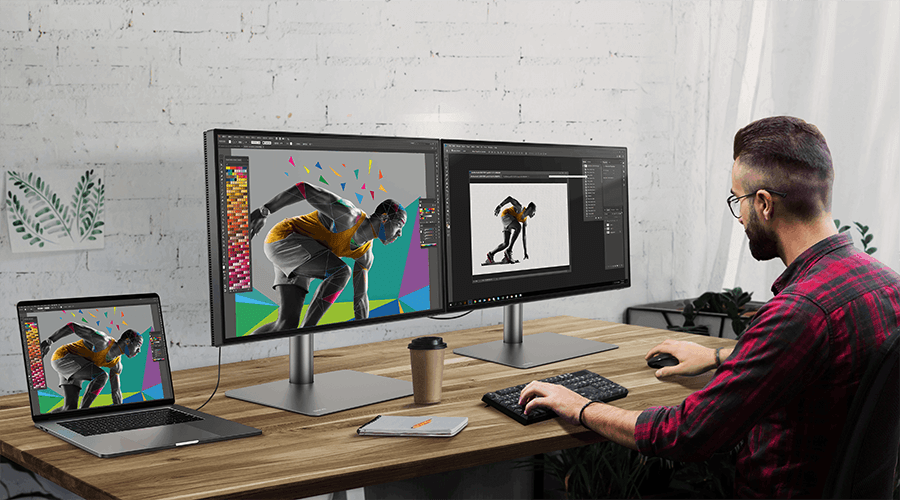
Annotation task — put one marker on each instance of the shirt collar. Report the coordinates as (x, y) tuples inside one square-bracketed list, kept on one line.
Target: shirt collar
[(809, 257)]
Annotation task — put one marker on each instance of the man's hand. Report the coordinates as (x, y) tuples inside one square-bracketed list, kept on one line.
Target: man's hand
[(497, 211), (564, 402), (45, 347), (693, 359), (257, 221)]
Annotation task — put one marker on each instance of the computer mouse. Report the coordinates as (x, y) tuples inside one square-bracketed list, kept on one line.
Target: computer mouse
[(662, 359)]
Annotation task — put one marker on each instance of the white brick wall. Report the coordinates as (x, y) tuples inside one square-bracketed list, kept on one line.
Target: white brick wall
[(129, 86)]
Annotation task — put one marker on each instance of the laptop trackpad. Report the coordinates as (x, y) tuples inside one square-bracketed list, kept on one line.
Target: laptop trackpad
[(168, 435)]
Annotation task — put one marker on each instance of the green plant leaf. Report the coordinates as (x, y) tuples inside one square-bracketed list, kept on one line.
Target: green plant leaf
[(871, 250), (43, 202)]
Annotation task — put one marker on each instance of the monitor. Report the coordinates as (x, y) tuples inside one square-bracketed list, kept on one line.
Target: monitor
[(313, 233), (527, 222)]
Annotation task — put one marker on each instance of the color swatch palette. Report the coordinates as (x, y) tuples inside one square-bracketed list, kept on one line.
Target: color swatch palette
[(238, 218), (36, 376)]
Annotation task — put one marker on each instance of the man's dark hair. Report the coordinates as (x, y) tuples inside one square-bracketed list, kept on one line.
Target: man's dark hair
[(392, 209), (791, 156), (131, 334), (531, 206)]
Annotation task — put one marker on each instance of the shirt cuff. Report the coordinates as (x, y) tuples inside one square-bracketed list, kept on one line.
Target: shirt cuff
[(643, 429)]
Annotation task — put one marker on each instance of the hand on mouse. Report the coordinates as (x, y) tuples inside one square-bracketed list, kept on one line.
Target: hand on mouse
[(693, 358)]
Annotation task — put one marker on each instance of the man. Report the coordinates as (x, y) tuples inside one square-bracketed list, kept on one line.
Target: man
[(515, 219), (310, 247), (84, 360), (786, 387)]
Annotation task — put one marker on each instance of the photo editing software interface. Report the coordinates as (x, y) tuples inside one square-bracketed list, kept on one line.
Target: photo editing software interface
[(81, 354), (334, 186), (531, 221)]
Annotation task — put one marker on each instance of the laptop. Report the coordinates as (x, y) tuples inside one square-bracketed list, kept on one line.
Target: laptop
[(96, 365)]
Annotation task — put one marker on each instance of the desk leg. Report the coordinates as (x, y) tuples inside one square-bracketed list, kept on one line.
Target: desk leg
[(538, 478)]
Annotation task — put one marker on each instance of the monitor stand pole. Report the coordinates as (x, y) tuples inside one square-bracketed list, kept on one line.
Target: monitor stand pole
[(331, 392), (519, 351)]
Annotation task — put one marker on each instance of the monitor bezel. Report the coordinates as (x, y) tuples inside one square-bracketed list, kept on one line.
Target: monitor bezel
[(217, 312)]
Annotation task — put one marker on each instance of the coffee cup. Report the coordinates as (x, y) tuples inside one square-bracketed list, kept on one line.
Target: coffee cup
[(426, 355)]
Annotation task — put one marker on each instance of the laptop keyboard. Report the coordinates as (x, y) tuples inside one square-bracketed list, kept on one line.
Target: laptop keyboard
[(128, 421)]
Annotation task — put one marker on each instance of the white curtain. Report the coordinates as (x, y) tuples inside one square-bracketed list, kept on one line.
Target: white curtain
[(831, 63)]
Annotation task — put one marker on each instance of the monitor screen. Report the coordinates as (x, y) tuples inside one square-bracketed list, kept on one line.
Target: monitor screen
[(310, 232), (533, 221)]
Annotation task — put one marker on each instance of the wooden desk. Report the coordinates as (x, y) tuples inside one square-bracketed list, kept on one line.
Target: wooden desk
[(299, 456)]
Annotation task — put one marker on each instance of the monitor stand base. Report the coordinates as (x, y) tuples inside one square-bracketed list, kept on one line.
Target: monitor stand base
[(518, 351), (534, 350), (331, 392), (323, 393)]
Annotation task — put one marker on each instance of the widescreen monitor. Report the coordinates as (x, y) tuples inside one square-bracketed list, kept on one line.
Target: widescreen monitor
[(527, 222), (314, 233)]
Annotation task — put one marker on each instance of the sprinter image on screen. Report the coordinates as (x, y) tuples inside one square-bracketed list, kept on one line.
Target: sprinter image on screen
[(85, 359), (310, 246), (514, 220)]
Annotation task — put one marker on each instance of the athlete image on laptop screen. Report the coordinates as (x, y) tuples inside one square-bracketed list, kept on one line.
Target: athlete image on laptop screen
[(84, 361)]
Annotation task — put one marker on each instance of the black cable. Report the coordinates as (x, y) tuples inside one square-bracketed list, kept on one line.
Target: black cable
[(218, 377), (453, 317)]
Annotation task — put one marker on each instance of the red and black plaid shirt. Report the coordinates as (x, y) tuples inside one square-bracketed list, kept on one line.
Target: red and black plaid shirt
[(786, 389)]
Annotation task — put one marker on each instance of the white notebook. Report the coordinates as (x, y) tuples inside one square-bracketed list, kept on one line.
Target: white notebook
[(390, 425)]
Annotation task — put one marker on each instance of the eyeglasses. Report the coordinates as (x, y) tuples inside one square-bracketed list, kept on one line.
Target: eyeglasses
[(734, 202)]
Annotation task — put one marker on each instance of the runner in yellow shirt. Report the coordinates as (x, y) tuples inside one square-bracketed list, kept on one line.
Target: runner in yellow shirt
[(514, 221), (85, 359), (310, 246)]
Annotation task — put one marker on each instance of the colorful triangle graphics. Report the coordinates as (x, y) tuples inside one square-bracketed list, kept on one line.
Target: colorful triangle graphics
[(359, 197), (322, 180), (356, 172), (343, 185), (291, 161), (318, 166), (381, 188)]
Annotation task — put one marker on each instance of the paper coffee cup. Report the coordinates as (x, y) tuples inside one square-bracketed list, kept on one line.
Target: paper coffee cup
[(426, 355)]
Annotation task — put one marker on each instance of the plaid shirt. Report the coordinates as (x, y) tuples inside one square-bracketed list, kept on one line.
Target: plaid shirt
[(786, 389)]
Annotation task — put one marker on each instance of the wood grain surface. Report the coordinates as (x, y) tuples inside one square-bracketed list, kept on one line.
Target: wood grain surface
[(299, 456)]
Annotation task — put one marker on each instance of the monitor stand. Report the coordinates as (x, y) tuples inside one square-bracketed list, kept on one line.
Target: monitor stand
[(331, 392), (534, 350)]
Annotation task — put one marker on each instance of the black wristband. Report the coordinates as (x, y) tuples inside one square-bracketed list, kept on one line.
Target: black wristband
[(718, 359), (581, 413)]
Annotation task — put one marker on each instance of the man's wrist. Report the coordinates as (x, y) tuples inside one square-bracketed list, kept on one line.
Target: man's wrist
[(264, 210), (581, 413)]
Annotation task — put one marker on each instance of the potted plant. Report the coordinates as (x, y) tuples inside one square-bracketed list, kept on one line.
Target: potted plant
[(733, 303)]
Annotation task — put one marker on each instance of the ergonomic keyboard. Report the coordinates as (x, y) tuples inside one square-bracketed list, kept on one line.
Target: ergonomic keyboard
[(128, 421), (584, 382)]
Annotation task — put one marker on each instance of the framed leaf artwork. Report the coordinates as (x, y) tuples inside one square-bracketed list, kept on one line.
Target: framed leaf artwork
[(55, 210)]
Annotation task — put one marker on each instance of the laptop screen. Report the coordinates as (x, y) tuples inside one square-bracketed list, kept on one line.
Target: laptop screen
[(94, 353)]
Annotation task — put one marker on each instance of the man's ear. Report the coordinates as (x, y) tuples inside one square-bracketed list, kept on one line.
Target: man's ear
[(766, 203)]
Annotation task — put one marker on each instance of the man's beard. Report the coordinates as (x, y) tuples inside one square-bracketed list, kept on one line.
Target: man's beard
[(763, 245)]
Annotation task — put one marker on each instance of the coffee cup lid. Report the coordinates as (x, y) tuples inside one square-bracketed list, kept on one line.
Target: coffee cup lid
[(427, 343)]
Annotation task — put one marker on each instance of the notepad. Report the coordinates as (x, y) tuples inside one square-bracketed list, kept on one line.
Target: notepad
[(392, 425)]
